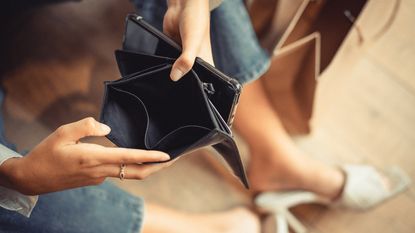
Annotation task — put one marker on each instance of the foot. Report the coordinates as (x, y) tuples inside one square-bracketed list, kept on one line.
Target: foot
[(365, 187), (284, 167)]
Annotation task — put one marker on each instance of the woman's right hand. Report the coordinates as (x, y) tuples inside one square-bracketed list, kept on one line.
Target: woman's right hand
[(188, 23), (61, 161)]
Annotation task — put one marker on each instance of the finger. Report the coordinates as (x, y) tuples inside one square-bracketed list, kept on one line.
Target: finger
[(131, 171), (205, 51), (181, 66), (93, 154), (170, 24), (192, 35), (86, 127)]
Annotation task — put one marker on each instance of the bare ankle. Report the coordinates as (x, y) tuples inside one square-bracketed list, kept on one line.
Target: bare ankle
[(286, 167)]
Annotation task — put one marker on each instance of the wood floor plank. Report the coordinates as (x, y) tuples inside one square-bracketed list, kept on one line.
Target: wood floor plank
[(393, 48), (394, 216)]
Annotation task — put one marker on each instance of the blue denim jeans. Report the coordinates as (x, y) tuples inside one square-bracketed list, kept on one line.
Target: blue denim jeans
[(103, 208)]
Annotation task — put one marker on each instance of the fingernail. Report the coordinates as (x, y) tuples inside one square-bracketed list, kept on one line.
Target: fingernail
[(165, 156), (105, 128), (176, 74)]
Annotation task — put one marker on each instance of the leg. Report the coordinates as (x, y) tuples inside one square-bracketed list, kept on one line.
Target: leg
[(160, 219), (106, 208), (103, 208), (276, 163)]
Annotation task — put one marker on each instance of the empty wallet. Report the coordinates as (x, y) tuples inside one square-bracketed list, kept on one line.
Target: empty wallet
[(147, 110)]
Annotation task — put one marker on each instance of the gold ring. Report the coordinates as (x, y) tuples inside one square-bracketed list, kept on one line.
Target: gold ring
[(122, 171)]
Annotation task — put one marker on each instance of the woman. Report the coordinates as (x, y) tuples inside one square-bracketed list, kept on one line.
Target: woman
[(276, 164)]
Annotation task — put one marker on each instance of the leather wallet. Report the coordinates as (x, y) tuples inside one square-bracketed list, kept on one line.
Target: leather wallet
[(146, 110)]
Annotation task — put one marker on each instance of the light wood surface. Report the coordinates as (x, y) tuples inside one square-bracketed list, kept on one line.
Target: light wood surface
[(364, 110)]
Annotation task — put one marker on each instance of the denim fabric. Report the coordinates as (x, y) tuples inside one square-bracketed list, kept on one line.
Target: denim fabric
[(235, 48), (2, 135), (103, 208)]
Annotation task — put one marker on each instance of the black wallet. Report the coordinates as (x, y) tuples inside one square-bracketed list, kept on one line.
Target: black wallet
[(146, 110)]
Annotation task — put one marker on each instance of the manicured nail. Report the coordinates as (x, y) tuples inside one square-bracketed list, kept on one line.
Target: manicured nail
[(176, 74), (105, 128), (165, 156)]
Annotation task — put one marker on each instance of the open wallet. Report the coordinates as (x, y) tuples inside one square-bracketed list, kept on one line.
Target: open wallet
[(147, 110)]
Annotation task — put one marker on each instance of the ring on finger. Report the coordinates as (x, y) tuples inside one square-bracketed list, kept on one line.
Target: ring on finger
[(122, 171)]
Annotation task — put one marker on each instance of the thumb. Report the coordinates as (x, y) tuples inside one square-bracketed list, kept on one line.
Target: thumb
[(182, 65), (83, 128)]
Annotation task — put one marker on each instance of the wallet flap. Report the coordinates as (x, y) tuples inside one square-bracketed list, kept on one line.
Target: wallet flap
[(229, 151), (139, 39), (133, 63)]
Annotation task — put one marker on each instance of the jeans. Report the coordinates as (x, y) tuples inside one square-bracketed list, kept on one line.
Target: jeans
[(103, 208)]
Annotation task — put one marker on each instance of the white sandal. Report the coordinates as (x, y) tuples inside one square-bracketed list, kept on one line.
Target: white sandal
[(364, 189)]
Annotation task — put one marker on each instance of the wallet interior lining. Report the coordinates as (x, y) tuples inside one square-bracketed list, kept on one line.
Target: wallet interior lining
[(122, 107), (170, 109)]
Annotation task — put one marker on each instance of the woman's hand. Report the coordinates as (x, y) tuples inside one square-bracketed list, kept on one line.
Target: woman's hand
[(61, 161), (188, 23)]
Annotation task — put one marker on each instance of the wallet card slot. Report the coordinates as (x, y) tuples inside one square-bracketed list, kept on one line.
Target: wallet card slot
[(154, 68), (133, 78), (132, 62)]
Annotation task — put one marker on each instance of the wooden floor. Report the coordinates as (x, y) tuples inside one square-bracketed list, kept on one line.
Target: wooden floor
[(364, 110)]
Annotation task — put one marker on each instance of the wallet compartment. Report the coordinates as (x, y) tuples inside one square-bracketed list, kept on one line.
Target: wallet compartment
[(175, 114)]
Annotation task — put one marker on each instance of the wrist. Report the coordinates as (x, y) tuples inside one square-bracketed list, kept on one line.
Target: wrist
[(183, 2), (10, 173)]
